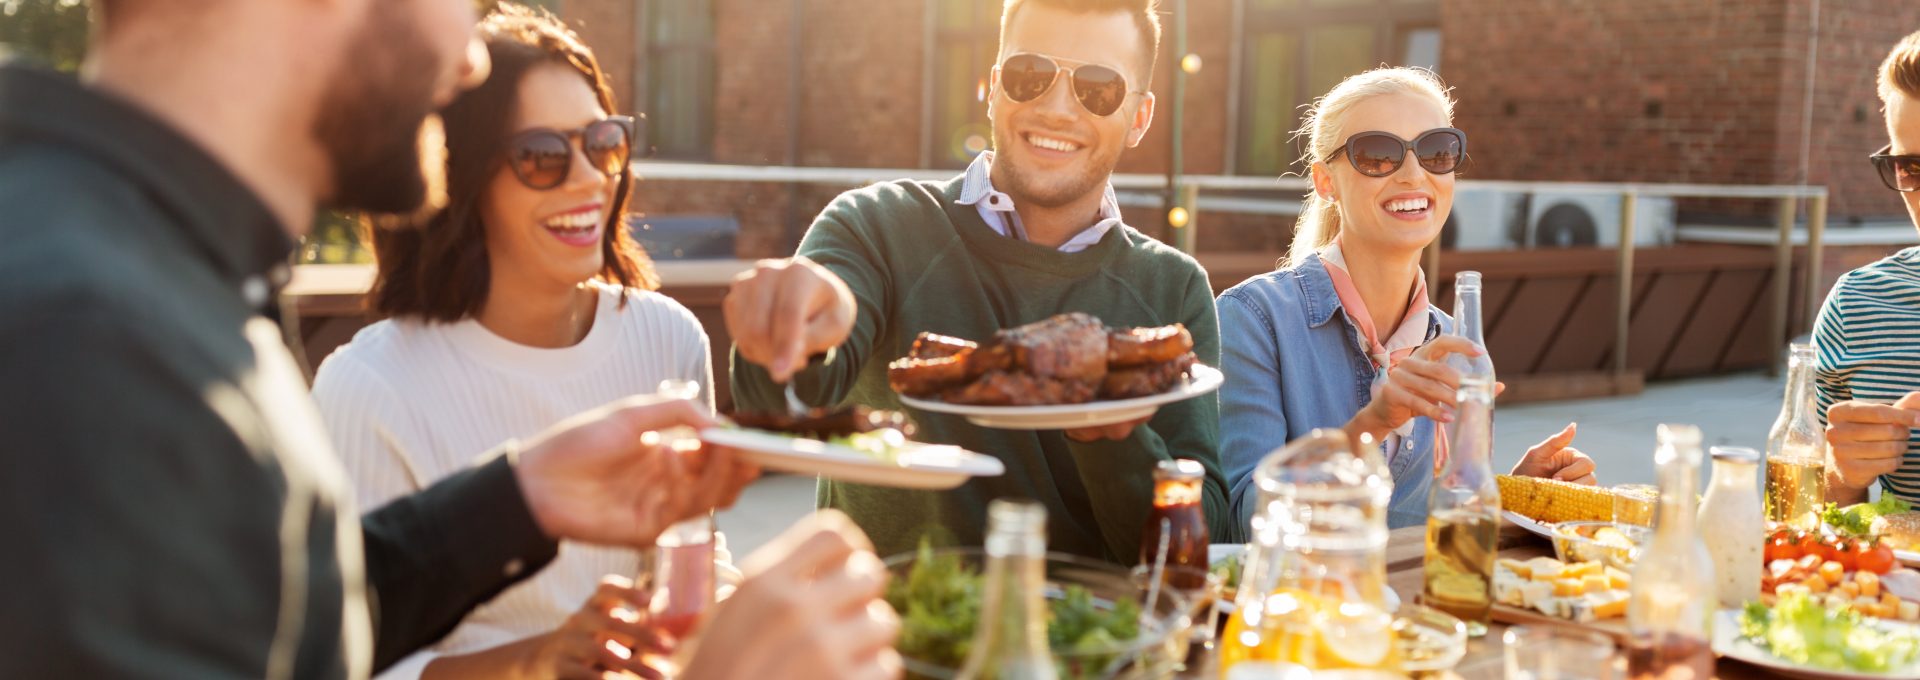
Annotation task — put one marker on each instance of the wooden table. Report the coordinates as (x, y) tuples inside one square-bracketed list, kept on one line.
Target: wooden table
[(1485, 659)]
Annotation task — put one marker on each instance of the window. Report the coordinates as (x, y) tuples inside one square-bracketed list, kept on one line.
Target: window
[(680, 77), (966, 38), (1296, 50)]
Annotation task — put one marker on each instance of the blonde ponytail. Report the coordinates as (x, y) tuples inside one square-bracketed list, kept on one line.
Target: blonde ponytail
[(1324, 130)]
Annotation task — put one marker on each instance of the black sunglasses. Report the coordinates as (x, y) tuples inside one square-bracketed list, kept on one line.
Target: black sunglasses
[(1099, 89), (1901, 173), (542, 157), (1378, 154)]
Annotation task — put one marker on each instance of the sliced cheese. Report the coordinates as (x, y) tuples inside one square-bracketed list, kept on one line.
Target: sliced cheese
[(1610, 604), (1521, 569), (1544, 568)]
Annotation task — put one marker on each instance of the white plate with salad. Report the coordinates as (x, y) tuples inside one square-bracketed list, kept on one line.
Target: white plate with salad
[(1864, 520), (881, 458), (1799, 638)]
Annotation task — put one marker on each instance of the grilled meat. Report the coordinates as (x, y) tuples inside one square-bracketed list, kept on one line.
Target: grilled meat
[(1148, 380), (935, 346), (1143, 346), (825, 423), (1068, 347), (919, 377), (995, 356), (1001, 388), (1068, 359)]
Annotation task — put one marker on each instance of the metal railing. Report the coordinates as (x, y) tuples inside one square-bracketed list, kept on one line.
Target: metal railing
[(1134, 188)]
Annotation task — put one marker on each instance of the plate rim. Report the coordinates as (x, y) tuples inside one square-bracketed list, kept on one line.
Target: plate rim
[(841, 454), (1202, 379), (1533, 526)]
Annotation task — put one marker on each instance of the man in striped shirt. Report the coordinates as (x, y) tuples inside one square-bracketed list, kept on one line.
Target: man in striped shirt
[(1868, 334)]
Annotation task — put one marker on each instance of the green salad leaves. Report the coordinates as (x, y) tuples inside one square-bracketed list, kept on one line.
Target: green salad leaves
[(939, 606), (884, 445), (1229, 570), (1857, 519), (1798, 629)]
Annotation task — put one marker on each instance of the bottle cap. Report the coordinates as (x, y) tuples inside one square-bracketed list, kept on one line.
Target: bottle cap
[(1179, 468), (1735, 454)]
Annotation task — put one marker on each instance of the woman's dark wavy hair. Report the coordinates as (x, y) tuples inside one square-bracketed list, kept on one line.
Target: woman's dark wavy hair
[(439, 271)]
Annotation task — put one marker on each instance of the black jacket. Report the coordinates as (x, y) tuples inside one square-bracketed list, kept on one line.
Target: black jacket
[(169, 504)]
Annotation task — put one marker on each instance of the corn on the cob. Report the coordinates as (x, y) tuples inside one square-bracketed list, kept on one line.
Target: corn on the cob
[(1551, 500)]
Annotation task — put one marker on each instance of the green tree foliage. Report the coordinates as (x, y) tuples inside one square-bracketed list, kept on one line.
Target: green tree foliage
[(53, 32)]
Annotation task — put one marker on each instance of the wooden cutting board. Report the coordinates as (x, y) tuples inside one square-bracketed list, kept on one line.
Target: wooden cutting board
[(1615, 628)]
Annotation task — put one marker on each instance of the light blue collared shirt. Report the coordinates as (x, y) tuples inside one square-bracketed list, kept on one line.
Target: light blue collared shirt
[(997, 208)]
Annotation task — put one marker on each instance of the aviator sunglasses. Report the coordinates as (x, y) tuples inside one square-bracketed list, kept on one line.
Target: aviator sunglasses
[(1099, 89), (1901, 172), (1378, 154), (542, 157)]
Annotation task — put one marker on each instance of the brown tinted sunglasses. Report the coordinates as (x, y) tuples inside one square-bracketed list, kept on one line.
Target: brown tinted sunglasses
[(1099, 89), (1378, 154), (542, 157)]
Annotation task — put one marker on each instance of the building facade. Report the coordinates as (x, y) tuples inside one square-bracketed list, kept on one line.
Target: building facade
[(1687, 91)]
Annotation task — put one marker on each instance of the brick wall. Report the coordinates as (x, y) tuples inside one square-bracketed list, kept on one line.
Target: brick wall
[(860, 69), (607, 27), (1855, 36), (1706, 91)]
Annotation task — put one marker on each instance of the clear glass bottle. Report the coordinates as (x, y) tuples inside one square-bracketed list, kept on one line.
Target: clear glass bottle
[(1011, 642), (1797, 449), (1670, 610), (1467, 324), (1463, 514), (1739, 531), (1178, 516), (1313, 586)]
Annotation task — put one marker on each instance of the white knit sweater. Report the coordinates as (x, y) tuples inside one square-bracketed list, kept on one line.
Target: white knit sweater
[(409, 402)]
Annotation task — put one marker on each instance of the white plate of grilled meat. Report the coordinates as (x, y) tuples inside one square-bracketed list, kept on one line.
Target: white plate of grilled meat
[(1070, 371), (851, 445)]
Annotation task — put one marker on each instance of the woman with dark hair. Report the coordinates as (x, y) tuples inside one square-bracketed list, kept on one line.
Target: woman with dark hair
[(519, 303)]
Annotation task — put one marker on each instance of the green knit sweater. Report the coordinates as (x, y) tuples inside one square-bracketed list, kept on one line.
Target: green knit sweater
[(918, 260)]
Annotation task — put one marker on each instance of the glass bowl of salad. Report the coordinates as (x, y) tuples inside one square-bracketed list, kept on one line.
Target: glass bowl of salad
[(1100, 626)]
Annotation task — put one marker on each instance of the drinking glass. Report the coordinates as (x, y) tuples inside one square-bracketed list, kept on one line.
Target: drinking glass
[(1558, 653)]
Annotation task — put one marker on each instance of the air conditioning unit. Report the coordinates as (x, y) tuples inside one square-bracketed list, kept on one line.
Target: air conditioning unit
[(1585, 219), (1512, 220)]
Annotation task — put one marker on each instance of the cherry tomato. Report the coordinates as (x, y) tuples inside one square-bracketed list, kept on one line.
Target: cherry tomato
[(1877, 558), (1810, 544), (1846, 552), (1780, 546)]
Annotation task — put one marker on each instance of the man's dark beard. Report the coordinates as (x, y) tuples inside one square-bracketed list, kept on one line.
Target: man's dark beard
[(1011, 179), (371, 119)]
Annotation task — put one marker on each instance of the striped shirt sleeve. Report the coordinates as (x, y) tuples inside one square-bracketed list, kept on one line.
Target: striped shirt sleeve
[(1867, 341)]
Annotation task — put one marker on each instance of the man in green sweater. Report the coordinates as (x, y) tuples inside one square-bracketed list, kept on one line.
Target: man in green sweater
[(1029, 231)]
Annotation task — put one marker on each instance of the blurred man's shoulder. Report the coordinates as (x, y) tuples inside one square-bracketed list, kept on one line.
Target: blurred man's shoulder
[(76, 235)]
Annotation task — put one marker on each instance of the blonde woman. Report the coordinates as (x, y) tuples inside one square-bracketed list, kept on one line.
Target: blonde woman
[(1343, 334)]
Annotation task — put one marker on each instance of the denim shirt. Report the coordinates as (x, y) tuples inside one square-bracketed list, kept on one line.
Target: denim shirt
[(1293, 362)]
